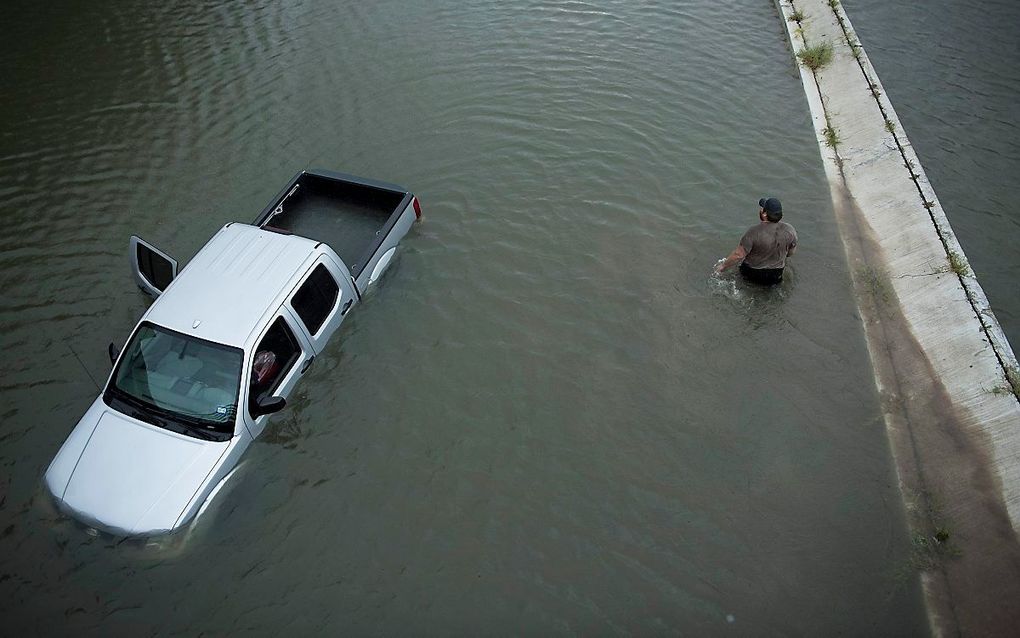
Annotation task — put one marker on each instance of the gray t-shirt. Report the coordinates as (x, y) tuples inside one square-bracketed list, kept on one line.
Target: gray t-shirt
[(768, 244)]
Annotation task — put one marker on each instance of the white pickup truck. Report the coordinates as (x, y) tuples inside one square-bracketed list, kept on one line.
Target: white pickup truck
[(221, 348)]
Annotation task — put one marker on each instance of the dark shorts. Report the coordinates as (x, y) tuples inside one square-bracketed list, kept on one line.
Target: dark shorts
[(764, 276)]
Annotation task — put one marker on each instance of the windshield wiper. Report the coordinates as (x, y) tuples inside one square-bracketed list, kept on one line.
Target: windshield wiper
[(197, 426), (181, 425), (191, 424), (129, 399), (136, 407), (148, 418)]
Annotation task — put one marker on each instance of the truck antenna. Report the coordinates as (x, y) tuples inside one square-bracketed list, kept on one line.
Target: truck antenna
[(83, 365)]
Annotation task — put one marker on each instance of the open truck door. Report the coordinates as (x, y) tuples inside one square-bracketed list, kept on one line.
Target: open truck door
[(153, 269)]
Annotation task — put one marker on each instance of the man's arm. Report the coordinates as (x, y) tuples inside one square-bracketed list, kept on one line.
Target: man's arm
[(735, 257)]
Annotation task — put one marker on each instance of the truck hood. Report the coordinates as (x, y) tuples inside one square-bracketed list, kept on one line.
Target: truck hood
[(131, 478)]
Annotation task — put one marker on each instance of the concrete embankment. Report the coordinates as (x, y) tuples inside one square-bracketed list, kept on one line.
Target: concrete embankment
[(946, 374)]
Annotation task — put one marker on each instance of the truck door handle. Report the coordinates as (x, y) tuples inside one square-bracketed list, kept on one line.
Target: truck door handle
[(347, 306), (307, 364)]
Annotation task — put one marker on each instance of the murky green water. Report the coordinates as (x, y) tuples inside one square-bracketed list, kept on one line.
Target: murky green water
[(952, 71), (549, 419)]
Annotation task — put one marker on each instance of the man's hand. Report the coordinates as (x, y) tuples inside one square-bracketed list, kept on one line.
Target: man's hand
[(734, 257)]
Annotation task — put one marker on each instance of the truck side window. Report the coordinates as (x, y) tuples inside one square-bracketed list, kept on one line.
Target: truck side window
[(316, 298), (275, 355)]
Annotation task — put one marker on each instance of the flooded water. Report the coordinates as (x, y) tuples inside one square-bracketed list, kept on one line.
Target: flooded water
[(952, 71), (549, 418)]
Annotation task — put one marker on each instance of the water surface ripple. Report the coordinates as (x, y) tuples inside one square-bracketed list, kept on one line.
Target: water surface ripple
[(549, 418)]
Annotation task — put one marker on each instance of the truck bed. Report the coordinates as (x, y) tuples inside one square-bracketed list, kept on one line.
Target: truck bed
[(350, 214)]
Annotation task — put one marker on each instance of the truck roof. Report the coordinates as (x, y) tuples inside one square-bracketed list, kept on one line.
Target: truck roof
[(225, 292)]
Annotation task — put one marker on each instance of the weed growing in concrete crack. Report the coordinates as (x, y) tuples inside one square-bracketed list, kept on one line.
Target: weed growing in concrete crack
[(927, 552), (874, 283), (1013, 377), (855, 49), (831, 137), (890, 126), (931, 546), (874, 90), (817, 56), (796, 16), (929, 204), (910, 167), (833, 4), (958, 264)]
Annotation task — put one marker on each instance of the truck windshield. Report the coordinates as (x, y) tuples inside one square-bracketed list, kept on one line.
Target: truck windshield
[(168, 376)]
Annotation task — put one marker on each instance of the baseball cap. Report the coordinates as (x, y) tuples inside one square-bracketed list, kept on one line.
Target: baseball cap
[(771, 205)]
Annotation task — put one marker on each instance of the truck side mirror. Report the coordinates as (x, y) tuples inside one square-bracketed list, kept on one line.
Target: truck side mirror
[(269, 405), (114, 352)]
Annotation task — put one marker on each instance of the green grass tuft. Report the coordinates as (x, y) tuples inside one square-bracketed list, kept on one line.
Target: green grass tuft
[(932, 539), (817, 56), (928, 552), (831, 137), (796, 16), (1013, 377), (875, 284), (958, 264)]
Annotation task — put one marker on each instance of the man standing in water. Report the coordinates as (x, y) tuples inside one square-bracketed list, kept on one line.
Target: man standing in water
[(763, 249)]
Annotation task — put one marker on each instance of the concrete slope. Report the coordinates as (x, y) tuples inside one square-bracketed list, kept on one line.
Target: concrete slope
[(946, 373)]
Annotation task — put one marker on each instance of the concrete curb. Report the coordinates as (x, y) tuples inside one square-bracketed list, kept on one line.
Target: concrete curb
[(926, 192), (942, 364), (975, 293)]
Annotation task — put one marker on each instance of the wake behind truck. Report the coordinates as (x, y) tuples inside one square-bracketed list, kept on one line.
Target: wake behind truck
[(221, 349)]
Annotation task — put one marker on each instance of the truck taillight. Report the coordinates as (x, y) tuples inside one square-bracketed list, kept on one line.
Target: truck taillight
[(417, 207)]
